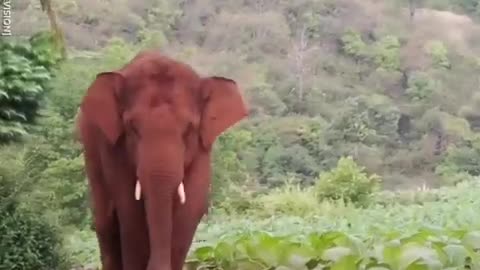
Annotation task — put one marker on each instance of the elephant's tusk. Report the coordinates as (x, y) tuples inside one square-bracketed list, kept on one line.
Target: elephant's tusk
[(181, 193), (138, 190)]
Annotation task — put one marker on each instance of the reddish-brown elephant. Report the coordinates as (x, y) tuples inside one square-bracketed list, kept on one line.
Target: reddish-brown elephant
[(154, 120)]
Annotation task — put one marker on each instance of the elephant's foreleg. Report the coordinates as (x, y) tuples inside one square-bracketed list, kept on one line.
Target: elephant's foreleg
[(187, 216), (131, 213), (133, 227), (104, 215), (108, 234)]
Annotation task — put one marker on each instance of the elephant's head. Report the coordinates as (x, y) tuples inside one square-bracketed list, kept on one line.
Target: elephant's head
[(159, 106), (163, 113)]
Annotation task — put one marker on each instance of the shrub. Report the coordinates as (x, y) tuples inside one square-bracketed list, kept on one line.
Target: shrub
[(387, 53), (10, 168), (228, 166), (24, 74), (353, 45), (290, 200), (438, 54), (347, 182), (234, 199), (420, 87), (366, 119), (82, 249), (27, 242), (460, 159), (53, 167)]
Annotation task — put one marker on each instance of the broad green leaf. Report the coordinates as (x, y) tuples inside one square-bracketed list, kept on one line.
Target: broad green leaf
[(346, 262), (472, 239), (224, 251), (456, 254), (249, 265), (265, 248), (391, 255), (412, 254), (3, 94), (204, 253), (419, 266), (335, 253), (296, 255)]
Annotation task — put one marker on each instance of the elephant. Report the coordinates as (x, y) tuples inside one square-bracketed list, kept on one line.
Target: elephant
[(147, 132)]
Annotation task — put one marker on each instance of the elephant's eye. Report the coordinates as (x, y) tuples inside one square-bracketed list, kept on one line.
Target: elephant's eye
[(186, 131), (132, 128), (135, 131)]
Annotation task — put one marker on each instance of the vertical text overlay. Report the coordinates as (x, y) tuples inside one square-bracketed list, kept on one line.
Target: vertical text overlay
[(6, 13)]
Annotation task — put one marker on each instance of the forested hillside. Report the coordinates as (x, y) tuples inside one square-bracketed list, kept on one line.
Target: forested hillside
[(395, 89), (347, 98)]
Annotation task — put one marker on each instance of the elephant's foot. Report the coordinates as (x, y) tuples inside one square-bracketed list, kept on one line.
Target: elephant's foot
[(110, 263), (152, 265)]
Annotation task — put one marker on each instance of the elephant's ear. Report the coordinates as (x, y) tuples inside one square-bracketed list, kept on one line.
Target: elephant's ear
[(101, 106), (224, 107)]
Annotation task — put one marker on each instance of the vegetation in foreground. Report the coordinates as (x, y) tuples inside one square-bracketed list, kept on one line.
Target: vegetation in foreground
[(437, 227), (334, 250)]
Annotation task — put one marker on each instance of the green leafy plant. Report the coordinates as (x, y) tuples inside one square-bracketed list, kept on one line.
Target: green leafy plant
[(228, 167), (348, 182), (387, 53), (438, 53), (290, 199), (461, 159), (420, 87), (353, 45), (54, 162), (28, 242), (426, 249), (25, 70)]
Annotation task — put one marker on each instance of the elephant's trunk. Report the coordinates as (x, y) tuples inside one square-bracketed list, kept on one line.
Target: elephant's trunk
[(160, 174), (160, 170), (160, 191)]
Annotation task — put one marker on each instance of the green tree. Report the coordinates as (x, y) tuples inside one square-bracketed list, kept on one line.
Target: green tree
[(228, 167), (354, 46), (25, 70), (438, 53), (387, 53), (55, 27), (27, 239)]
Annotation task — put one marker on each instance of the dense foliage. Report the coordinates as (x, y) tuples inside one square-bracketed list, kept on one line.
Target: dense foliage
[(291, 210), (348, 99), (435, 229), (27, 240), (25, 69)]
